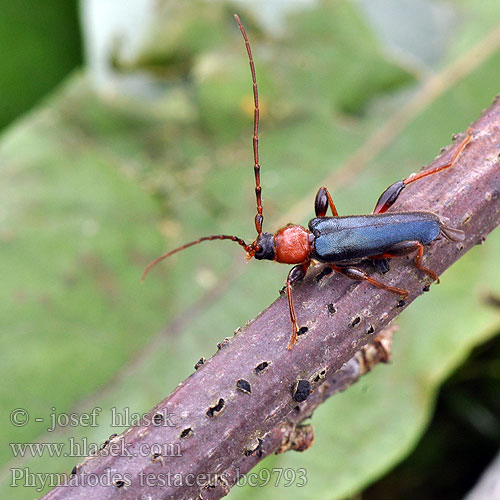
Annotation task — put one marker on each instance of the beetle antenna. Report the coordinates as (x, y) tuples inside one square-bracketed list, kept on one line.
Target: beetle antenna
[(259, 218), (248, 248)]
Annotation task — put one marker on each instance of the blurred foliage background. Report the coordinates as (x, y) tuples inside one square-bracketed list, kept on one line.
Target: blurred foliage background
[(148, 145)]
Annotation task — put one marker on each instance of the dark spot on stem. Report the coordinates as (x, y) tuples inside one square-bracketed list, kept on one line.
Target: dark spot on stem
[(301, 390), (370, 330), (319, 375), (401, 303), (426, 288), (158, 419), (302, 330), (355, 321), (331, 308), (222, 344), (261, 367), (119, 483), (215, 410), (103, 445), (186, 433), (199, 363), (74, 470), (243, 386), (107, 441)]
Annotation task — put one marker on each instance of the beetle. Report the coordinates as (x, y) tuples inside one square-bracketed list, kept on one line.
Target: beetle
[(340, 241)]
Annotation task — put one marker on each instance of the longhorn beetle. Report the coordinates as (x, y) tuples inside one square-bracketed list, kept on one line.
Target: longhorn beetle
[(341, 242)]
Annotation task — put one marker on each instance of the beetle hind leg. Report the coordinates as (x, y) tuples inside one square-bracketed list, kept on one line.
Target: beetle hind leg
[(357, 274), (418, 264), (405, 248), (391, 194), (398, 250)]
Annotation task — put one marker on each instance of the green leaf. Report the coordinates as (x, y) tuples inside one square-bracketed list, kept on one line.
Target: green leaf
[(41, 43)]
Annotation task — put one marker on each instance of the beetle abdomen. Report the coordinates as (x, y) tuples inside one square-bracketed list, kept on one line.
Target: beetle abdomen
[(359, 236)]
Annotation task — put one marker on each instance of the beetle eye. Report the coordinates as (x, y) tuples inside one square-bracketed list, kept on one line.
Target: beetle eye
[(265, 247)]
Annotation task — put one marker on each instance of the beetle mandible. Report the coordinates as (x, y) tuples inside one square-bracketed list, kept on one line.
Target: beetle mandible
[(341, 242)]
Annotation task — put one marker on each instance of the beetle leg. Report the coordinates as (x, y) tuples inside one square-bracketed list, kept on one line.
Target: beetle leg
[(356, 274), (388, 197), (322, 201), (295, 275), (405, 248), (418, 263), (391, 194)]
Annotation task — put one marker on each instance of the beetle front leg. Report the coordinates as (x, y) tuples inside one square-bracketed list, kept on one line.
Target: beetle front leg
[(322, 201), (295, 275)]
